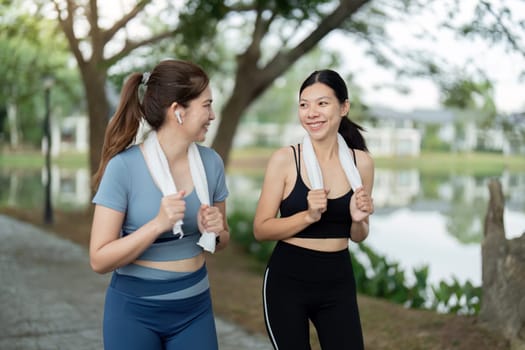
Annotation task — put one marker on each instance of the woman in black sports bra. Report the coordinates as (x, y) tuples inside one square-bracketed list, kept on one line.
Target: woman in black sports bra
[(309, 276)]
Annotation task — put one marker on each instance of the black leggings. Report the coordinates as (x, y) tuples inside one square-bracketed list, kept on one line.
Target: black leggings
[(303, 284)]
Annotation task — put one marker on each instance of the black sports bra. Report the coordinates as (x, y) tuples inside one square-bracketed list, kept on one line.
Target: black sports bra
[(335, 221)]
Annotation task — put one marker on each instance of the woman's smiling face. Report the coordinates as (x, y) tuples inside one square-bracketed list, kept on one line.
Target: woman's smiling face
[(199, 114), (320, 111)]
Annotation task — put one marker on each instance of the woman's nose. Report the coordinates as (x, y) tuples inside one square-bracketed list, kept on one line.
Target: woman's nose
[(312, 112)]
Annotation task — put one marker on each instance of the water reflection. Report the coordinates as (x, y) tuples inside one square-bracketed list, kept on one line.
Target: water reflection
[(70, 187), (24, 189), (395, 188), (436, 220)]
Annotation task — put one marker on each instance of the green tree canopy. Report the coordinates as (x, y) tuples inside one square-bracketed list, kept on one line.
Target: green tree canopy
[(251, 43), (29, 51)]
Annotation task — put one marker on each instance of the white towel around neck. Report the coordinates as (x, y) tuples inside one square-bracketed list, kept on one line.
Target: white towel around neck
[(160, 171), (313, 171)]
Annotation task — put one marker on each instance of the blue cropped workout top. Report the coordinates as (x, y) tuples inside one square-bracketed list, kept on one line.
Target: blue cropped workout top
[(335, 222), (127, 186)]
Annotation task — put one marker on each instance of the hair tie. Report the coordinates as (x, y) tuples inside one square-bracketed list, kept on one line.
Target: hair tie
[(145, 77)]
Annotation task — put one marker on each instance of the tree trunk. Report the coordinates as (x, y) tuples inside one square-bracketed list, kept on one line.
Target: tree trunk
[(249, 85), (251, 81), (12, 118), (503, 268), (98, 110), (231, 115)]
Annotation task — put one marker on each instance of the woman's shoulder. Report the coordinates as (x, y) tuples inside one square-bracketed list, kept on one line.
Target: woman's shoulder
[(363, 159), (206, 150), (283, 154), (127, 157), (211, 159), (282, 158), (132, 152), (209, 154)]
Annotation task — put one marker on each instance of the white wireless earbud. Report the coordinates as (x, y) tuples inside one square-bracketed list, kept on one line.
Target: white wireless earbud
[(179, 118)]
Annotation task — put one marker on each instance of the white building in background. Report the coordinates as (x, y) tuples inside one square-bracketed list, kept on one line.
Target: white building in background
[(457, 128), (384, 140), (70, 134), (392, 133), (71, 187), (395, 188), (389, 141)]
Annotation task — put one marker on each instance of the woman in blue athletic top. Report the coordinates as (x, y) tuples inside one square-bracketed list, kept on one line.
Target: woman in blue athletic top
[(158, 297), (309, 276)]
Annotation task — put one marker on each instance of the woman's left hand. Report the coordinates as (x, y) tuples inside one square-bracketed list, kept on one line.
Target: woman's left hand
[(361, 205), (210, 219)]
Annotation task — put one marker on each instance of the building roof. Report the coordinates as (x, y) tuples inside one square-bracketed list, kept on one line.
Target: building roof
[(436, 116)]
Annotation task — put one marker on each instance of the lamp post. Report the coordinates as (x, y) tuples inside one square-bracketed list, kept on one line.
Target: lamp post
[(48, 208)]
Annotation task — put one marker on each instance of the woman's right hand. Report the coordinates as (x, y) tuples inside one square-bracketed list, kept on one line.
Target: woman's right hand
[(172, 208), (317, 202), (361, 205)]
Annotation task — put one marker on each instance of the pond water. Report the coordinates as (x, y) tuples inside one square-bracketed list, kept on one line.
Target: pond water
[(426, 220), (419, 219)]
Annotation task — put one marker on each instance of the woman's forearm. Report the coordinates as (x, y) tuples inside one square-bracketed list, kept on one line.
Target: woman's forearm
[(359, 231), (275, 229), (123, 251)]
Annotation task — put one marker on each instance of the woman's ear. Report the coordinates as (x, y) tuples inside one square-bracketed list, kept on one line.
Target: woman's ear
[(177, 115), (176, 112), (345, 108)]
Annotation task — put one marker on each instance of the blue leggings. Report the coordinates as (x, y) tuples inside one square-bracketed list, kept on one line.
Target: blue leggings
[(134, 321)]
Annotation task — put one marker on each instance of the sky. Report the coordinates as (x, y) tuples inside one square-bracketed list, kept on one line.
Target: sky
[(501, 67)]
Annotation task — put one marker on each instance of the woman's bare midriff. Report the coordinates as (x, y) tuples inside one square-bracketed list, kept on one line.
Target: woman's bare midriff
[(184, 265), (320, 244)]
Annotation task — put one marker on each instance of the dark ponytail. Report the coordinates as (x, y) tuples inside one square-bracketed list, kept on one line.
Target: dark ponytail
[(350, 131)]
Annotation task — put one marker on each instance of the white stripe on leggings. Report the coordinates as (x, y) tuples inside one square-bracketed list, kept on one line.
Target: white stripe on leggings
[(266, 318)]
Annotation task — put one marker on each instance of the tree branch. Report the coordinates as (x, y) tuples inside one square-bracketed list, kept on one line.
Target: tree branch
[(97, 44), (108, 34), (504, 29), (333, 20), (132, 45), (260, 28), (67, 26)]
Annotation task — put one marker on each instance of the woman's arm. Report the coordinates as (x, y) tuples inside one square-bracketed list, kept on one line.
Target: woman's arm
[(213, 219), (362, 201), (266, 225), (108, 251)]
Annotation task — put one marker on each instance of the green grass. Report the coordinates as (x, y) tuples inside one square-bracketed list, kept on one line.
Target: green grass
[(463, 163), (440, 162), (427, 162), (36, 160), (252, 152)]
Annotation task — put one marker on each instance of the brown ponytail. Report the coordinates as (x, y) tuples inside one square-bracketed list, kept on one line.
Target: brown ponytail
[(123, 126), (170, 81)]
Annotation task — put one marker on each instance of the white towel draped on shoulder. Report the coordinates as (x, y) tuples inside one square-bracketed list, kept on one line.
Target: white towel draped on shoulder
[(160, 171), (313, 171)]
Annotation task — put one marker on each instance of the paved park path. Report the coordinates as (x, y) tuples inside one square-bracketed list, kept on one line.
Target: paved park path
[(50, 298)]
